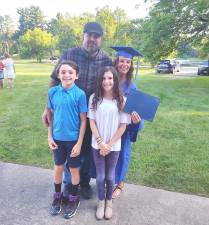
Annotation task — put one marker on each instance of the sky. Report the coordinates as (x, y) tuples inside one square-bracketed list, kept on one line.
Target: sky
[(133, 8)]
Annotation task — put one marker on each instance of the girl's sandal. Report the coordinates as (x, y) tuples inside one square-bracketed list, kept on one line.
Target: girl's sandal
[(117, 191)]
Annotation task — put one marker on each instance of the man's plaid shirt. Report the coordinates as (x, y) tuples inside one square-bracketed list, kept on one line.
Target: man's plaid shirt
[(88, 67)]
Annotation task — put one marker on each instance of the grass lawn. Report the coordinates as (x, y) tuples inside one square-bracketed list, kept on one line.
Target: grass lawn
[(171, 153)]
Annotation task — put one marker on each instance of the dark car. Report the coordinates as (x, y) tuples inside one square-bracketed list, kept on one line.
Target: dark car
[(54, 58), (203, 68), (165, 66)]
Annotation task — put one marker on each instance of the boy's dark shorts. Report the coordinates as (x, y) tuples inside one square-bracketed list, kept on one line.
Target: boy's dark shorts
[(63, 153)]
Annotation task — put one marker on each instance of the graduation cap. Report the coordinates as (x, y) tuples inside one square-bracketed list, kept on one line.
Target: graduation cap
[(128, 52)]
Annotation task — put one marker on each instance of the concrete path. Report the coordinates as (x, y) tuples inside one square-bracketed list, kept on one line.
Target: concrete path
[(25, 196)]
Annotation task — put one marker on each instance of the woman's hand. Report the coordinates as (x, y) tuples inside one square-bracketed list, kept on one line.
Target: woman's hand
[(135, 118)]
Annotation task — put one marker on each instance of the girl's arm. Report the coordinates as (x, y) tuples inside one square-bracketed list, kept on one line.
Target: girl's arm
[(117, 134), (51, 142), (103, 146), (77, 147)]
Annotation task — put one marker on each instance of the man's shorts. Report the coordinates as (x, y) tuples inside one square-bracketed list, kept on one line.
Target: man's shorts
[(63, 153)]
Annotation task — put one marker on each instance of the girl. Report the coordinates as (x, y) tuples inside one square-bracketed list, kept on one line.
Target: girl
[(67, 104), (108, 123), (9, 70)]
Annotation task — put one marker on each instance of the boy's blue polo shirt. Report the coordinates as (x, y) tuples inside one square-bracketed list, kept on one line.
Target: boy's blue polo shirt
[(67, 105)]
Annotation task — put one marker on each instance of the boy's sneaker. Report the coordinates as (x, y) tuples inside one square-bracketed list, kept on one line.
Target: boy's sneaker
[(56, 204), (70, 208)]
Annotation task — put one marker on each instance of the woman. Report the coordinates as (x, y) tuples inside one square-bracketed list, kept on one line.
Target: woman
[(9, 70), (124, 66)]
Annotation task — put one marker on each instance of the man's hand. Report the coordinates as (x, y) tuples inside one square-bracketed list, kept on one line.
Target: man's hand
[(135, 117), (76, 150), (52, 145)]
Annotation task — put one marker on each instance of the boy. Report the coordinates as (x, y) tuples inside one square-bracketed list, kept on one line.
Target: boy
[(68, 107)]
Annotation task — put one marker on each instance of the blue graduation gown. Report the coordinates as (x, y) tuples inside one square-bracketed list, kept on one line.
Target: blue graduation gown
[(129, 136)]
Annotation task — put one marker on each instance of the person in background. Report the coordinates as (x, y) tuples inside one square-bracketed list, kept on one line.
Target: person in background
[(9, 70), (1, 72), (124, 65)]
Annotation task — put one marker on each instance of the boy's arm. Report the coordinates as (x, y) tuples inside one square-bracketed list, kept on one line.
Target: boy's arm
[(51, 142), (77, 147)]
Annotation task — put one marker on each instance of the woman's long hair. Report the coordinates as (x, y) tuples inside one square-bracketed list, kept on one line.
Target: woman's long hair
[(99, 92), (129, 75)]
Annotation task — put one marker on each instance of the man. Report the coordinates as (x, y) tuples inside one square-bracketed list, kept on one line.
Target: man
[(90, 59)]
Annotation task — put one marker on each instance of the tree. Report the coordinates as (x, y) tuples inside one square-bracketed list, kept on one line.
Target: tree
[(171, 23), (7, 30), (105, 17), (66, 38), (30, 18), (124, 27), (36, 43)]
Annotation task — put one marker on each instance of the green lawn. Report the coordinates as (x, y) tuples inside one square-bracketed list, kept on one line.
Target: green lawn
[(171, 153)]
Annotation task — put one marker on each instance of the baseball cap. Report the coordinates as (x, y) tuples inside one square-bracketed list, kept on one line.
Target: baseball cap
[(93, 27)]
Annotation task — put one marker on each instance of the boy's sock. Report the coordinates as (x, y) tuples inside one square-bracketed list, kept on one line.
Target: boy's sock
[(57, 187)]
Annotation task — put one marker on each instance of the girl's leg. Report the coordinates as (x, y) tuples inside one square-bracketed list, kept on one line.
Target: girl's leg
[(111, 161), (7, 82), (1, 83), (99, 161), (11, 83)]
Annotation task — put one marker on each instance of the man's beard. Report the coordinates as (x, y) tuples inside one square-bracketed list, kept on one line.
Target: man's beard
[(91, 49)]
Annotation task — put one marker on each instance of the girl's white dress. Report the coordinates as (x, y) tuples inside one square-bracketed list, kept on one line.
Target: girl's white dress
[(9, 71)]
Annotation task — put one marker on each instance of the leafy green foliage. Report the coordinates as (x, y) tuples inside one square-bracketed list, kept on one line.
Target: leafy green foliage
[(173, 23), (30, 18), (36, 43), (7, 29)]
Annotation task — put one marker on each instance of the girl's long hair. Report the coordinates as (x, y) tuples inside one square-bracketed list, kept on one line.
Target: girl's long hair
[(99, 92), (129, 75)]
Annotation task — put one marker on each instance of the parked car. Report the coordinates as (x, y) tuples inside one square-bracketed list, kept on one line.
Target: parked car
[(54, 58), (203, 68), (165, 66)]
